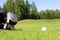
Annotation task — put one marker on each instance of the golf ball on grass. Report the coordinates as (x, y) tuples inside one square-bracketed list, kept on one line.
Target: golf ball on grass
[(43, 28)]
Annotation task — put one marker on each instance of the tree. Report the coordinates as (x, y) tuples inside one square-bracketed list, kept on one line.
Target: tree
[(17, 8), (57, 13), (26, 10), (42, 14), (34, 12), (9, 6)]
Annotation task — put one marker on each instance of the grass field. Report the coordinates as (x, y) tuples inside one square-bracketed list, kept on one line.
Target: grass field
[(31, 30)]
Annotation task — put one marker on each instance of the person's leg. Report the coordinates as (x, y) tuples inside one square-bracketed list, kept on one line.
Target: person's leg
[(5, 25)]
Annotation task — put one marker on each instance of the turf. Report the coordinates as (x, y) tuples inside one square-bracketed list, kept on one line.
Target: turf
[(31, 30)]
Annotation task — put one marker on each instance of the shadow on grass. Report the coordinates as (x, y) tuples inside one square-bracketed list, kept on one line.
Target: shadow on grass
[(17, 29), (11, 30)]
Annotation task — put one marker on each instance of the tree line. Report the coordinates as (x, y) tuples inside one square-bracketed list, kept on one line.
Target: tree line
[(24, 10), (50, 14)]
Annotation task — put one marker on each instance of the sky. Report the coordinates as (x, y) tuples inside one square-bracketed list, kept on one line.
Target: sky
[(42, 4)]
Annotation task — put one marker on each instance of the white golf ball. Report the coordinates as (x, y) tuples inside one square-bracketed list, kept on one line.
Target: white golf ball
[(44, 29)]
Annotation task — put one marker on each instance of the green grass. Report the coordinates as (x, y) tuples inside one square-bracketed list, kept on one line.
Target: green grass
[(31, 30)]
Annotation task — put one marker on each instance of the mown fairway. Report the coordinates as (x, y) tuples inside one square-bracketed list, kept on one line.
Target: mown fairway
[(31, 30)]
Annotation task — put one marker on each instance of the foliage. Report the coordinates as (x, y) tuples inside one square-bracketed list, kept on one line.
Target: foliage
[(24, 10), (49, 14), (21, 8), (34, 13)]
